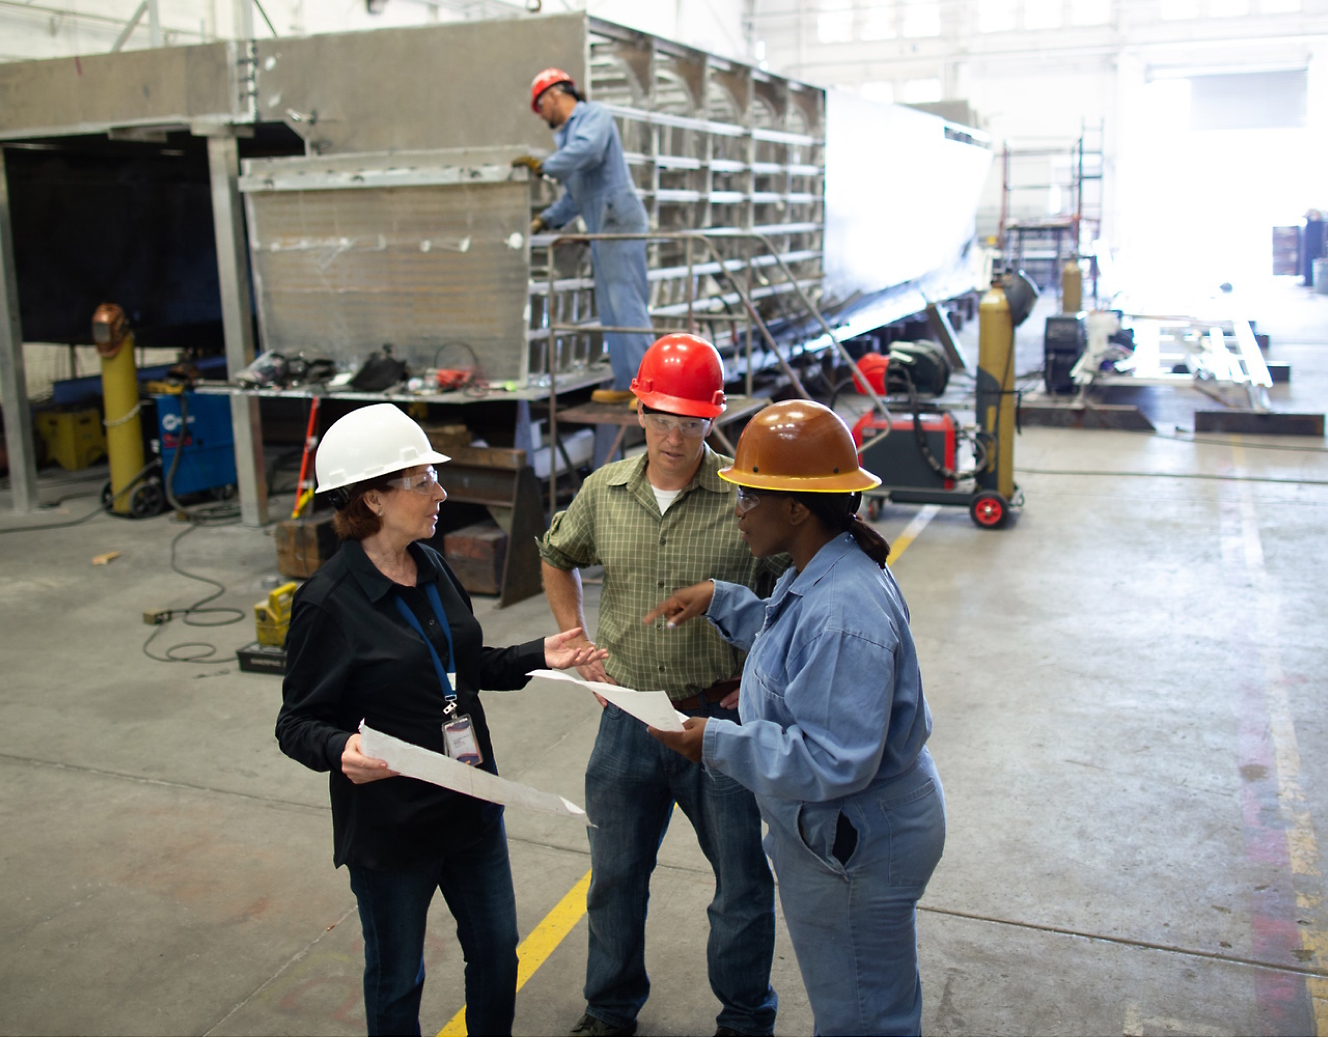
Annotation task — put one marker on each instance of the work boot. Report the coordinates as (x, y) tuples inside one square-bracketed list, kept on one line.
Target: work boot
[(612, 396), (593, 1025)]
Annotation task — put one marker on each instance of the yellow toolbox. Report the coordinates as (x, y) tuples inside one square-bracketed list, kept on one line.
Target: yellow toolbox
[(272, 617), (75, 439)]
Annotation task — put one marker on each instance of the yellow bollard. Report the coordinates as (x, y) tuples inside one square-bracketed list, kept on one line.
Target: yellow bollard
[(119, 390)]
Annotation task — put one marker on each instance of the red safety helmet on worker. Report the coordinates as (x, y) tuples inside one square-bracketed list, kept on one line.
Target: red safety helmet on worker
[(549, 77), (682, 374)]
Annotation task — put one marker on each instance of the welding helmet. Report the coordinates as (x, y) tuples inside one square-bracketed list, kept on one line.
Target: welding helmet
[(549, 77), (370, 442), (798, 445), (681, 374)]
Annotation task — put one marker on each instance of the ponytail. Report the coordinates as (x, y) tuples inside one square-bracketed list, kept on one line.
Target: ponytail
[(840, 512)]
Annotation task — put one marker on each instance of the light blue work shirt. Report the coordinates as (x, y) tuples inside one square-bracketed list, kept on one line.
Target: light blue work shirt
[(589, 162), (831, 702)]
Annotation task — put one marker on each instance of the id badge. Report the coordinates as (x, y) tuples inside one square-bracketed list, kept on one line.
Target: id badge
[(459, 737)]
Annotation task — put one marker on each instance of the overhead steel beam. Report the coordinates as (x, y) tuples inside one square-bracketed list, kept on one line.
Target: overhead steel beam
[(13, 375)]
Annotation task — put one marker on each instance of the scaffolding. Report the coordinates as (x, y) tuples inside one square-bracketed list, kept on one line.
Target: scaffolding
[(1051, 203)]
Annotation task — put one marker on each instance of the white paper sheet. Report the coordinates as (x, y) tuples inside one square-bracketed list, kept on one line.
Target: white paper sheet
[(654, 708), (417, 762)]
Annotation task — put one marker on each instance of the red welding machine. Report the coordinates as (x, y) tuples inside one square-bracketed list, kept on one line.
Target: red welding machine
[(914, 450)]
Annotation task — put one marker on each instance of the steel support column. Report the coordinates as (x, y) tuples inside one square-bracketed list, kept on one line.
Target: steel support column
[(13, 374), (237, 322)]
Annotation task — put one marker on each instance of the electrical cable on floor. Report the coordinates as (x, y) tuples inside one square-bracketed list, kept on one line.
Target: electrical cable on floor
[(106, 505), (208, 650)]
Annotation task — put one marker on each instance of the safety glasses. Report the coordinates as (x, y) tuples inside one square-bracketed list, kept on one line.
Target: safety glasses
[(692, 428), (747, 500), (424, 483)]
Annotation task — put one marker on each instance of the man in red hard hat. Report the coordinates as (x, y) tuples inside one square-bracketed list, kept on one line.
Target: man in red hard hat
[(590, 165), (659, 522)]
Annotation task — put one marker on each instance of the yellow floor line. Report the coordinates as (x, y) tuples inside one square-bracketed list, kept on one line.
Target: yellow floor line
[(568, 912), (539, 945), (911, 532)]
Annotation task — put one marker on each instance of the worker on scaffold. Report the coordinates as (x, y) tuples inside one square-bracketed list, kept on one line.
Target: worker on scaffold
[(590, 165)]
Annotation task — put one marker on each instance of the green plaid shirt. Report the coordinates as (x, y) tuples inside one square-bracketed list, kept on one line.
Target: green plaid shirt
[(615, 521)]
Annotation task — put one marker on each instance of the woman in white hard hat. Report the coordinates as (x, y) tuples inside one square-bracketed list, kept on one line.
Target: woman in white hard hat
[(384, 633), (834, 723)]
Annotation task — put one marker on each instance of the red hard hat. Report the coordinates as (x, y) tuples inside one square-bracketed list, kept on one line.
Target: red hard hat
[(543, 81), (682, 374)]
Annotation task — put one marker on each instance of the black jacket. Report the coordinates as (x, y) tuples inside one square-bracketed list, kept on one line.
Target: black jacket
[(351, 656)]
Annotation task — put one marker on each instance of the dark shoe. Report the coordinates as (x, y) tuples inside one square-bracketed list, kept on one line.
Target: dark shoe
[(593, 1025)]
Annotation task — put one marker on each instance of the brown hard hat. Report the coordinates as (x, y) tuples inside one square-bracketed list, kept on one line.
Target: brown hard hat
[(798, 445)]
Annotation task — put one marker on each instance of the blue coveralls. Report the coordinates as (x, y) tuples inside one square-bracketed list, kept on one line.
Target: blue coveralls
[(589, 162), (833, 744)]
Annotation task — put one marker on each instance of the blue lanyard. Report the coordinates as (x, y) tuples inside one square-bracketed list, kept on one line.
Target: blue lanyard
[(436, 603)]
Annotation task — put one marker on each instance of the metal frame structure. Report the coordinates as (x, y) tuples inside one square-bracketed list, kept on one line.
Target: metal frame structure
[(714, 146), (1216, 357)]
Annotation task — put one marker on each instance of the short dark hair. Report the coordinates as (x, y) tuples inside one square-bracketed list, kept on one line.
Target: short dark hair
[(568, 88), (355, 520)]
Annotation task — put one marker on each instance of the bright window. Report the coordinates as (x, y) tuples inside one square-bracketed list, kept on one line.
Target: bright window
[(996, 16), (1090, 12), (834, 22), (1228, 8), (1175, 10), (1042, 14), (878, 22), (921, 18), (1279, 6)]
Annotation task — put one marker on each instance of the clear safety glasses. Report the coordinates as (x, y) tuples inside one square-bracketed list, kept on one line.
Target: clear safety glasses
[(747, 500), (424, 483), (692, 428)]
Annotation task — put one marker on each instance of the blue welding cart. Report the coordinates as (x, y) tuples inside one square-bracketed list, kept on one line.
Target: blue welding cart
[(207, 461)]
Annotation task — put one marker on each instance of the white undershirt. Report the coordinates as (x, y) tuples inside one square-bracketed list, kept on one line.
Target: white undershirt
[(665, 498)]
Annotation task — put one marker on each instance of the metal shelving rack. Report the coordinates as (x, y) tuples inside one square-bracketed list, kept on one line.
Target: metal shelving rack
[(1043, 245), (713, 146)]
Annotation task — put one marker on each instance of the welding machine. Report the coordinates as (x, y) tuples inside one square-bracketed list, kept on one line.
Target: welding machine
[(195, 443), (915, 452), (920, 453)]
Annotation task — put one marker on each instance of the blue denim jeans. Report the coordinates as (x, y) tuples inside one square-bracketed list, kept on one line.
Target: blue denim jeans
[(632, 783), (854, 922), (476, 881)]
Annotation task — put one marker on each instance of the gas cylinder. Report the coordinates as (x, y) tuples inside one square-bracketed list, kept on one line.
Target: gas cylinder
[(119, 390), (995, 390), (1072, 287)]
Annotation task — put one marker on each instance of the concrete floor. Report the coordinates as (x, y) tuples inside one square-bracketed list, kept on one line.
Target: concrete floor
[(1126, 691)]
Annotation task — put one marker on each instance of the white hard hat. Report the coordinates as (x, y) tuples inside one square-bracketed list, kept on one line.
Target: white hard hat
[(369, 442)]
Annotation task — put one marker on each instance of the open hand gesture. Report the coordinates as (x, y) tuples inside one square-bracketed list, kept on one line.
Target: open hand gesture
[(572, 649)]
